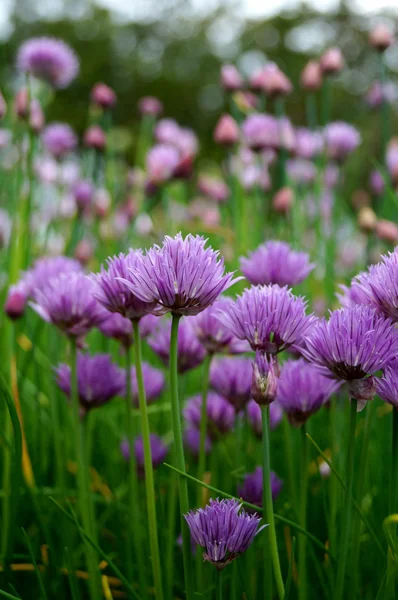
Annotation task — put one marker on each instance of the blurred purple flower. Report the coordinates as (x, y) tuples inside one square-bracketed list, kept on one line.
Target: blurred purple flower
[(49, 59), (213, 188), (231, 79), (253, 412), (261, 131), (159, 451), (341, 139), (308, 143), (251, 490), (190, 352), (276, 262), (380, 285), (387, 386), (117, 327), (192, 441), (98, 380), (232, 378), (154, 383), (59, 139), (220, 414), (161, 163), (148, 105), (83, 193)]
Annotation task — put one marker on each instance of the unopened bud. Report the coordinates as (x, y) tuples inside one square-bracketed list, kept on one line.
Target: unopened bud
[(95, 138), (36, 120), (283, 200), (381, 37), (362, 390), (102, 95), (226, 132), (332, 61), (311, 76), (367, 219), (84, 252), (150, 106), (21, 104), (231, 79), (387, 231), (264, 379), (15, 303)]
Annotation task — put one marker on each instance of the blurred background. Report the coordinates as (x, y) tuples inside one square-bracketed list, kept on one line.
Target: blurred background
[(173, 49)]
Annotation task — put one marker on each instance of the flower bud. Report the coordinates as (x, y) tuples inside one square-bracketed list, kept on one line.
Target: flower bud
[(21, 104), (362, 390), (264, 379), (150, 106), (311, 76), (83, 192), (376, 183), (84, 252), (226, 132), (102, 95), (231, 79), (332, 61), (367, 219), (283, 200), (387, 231), (95, 138), (15, 304), (36, 120), (381, 37)]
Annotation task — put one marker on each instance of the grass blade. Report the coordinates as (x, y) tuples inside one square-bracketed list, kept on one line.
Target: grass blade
[(37, 570)]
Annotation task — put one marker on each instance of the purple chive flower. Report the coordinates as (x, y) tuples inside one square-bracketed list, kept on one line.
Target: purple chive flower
[(341, 139), (159, 452), (112, 292), (220, 414), (355, 342), (354, 294), (83, 193), (59, 139), (149, 325), (261, 132), (166, 131), (213, 188), (387, 386), (301, 171), (67, 301), (276, 262), (264, 379), (98, 380), (303, 389), (149, 105), (269, 317), (232, 378), (153, 383), (212, 334), (190, 351), (308, 143), (192, 441), (182, 276), (253, 412), (251, 490), (380, 285), (117, 327), (49, 59), (161, 163), (223, 529), (376, 183)]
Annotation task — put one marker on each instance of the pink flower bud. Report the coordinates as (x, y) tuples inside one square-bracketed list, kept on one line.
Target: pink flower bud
[(332, 61), (283, 200), (15, 303), (94, 137), (104, 96), (264, 379), (387, 231), (21, 108), (36, 120), (362, 390), (226, 132), (311, 76), (84, 252), (150, 106), (231, 79), (381, 37)]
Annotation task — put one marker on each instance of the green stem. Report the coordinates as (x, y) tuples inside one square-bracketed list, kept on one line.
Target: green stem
[(268, 505), (179, 451), (149, 480), (133, 490), (326, 100), (394, 464), (303, 514), (310, 106), (82, 477), (218, 585), (333, 481), (289, 453), (346, 521), (203, 423)]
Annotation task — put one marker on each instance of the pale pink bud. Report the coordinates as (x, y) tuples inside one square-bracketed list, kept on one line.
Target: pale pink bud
[(231, 79), (36, 120), (95, 138), (150, 106), (102, 95), (84, 252), (381, 37), (226, 132), (311, 76), (21, 104), (332, 61), (15, 303), (387, 231), (283, 200)]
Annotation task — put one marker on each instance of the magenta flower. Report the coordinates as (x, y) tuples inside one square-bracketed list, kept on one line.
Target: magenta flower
[(117, 327), (161, 163), (253, 411), (380, 285), (212, 334), (98, 380), (83, 194), (112, 292), (232, 378), (181, 276), (276, 262), (308, 143), (261, 132), (251, 490), (303, 389), (49, 59), (159, 451), (67, 301), (269, 317), (387, 386), (148, 105), (190, 352), (231, 79), (341, 139), (59, 139), (223, 530), (154, 383), (220, 414)]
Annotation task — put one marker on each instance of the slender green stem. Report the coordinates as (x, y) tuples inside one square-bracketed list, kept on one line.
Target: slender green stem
[(218, 585), (333, 481), (394, 464), (203, 422), (311, 110), (179, 451), (149, 480), (346, 521), (268, 505), (82, 477), (289, 453), (326, 100), (133, 489), (303, 514)]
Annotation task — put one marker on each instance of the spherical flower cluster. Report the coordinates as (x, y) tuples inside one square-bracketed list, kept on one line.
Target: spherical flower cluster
[(149, 105), (181, 276), (251, 490), (153, 383), (67, 301), (49, 59), (355, 342), (220, 414), (232, 378), (212, 334), (269, 317), (98, 380), (253, 412), (59, 139), (223, 530), (380, 285), (104, 96), (261, 132), (192, 441), (117, 327), (276, 262), (302, 389), (161, 162), (387, 386), (159, 452), (190, 352), (112, 292), (341, 139), (308, 143)]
